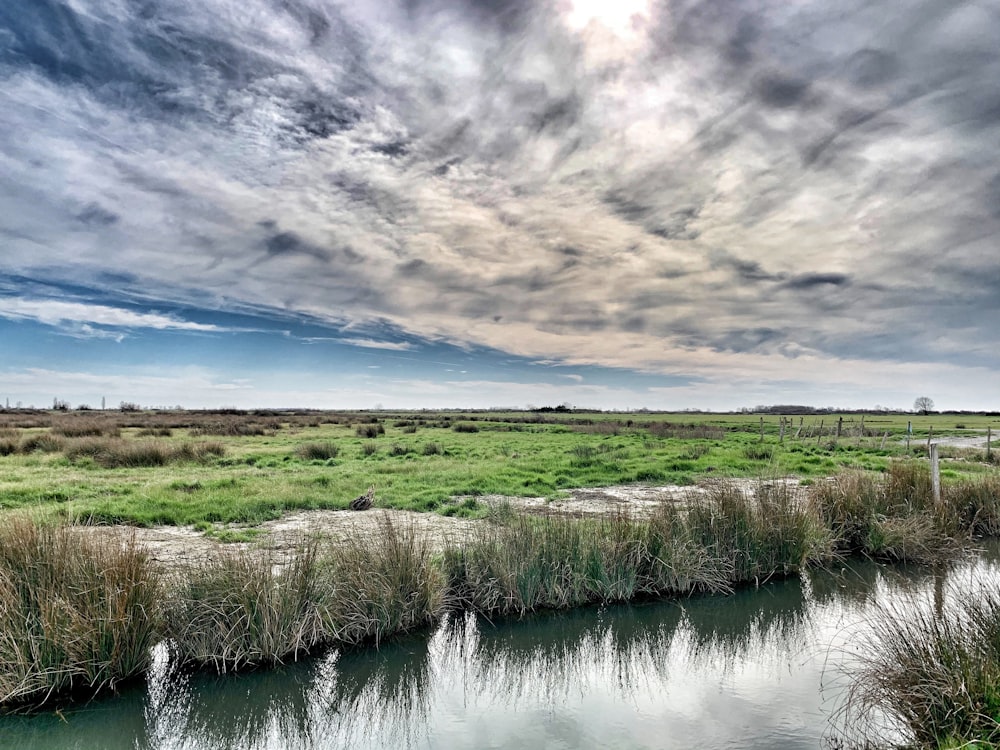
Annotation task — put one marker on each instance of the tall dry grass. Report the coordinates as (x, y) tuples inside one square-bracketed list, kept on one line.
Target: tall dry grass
[(235, 611), (893, 516), (114, 453), (935, 675), (710, 543), (76, 615), (244, 610)]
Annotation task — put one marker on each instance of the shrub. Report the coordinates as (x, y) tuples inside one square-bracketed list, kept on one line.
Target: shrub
[(465, 427), (369, 449), (432, 449)]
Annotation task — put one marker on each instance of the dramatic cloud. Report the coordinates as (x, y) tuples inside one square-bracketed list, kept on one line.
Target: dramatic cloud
[(709, 190)]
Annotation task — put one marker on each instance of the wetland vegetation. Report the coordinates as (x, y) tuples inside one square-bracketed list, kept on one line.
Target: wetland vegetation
[(79, 617)]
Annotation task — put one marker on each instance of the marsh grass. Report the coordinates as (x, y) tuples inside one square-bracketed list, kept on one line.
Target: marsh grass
[(758, 451), (390, 584), (76, 616), (933, 674), (769, 530), (976, 504), (115, 453), (237, 427), (74, 428), (895, 517), (714, 542), (42, 443), (155, 432), (245, 609), (235, 611), (318, 451), (370, 431)]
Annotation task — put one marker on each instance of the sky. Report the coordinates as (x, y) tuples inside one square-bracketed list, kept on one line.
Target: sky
[(661, 204)]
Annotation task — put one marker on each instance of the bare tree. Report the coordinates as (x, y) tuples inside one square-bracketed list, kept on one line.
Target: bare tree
[(924, 405)]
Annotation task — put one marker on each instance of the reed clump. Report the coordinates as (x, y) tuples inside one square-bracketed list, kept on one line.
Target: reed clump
[(242, 609), (895, 516), (771, 530), (935, 674), (711, 543), (976, 505), (235, 612), (76, 615), (388, 584)]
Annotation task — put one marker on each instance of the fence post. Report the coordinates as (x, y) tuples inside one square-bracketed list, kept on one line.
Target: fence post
[(989, 436), (762, 429), (935, 475), (930, 434)]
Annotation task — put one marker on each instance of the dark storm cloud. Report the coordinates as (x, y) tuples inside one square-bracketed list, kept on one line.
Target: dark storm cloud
[(745, 270), (781, 91), (92, 213), (289, 243), (810, 280)]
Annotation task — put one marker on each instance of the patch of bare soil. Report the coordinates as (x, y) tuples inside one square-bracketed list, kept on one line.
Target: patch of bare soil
[(637, 501), (961, 442), (174, 546)]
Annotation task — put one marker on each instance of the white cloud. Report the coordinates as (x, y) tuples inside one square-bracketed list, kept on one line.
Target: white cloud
[(56, 313), (393, 346)]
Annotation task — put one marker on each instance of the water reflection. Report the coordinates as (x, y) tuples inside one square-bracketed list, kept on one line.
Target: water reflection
[(749, 670)]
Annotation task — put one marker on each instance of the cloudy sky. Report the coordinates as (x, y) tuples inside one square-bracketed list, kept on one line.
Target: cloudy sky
[(424, 203)]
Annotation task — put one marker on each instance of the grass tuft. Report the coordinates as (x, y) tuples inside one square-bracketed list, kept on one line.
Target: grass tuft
[(317, 451), (76, 615), (935, 674)]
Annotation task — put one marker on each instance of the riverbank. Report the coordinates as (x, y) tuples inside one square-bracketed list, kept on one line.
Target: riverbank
[(240, 609)]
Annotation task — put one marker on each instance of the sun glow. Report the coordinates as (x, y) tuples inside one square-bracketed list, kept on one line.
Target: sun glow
[(618, 16)]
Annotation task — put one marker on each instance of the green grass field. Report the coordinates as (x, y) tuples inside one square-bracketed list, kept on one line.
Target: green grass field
[(202, 468)]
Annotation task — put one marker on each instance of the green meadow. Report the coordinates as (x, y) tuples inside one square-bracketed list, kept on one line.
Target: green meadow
[(216, 468)]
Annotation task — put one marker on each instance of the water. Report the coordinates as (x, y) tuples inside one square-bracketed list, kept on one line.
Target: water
[(764, 668)]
